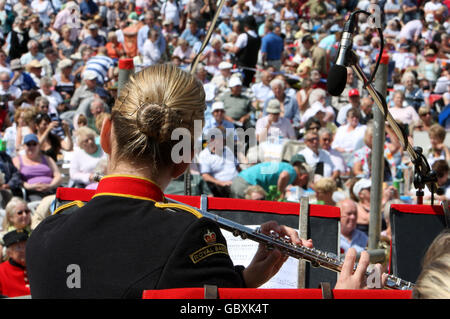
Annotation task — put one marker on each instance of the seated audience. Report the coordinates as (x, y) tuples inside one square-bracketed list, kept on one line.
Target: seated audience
[(39, 172), (350, 237), (13, 275), (85, 158)]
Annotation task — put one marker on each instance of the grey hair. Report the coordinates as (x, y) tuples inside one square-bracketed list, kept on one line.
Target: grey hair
[(277, 82), (316, 95), (31, 42), (46, 81)]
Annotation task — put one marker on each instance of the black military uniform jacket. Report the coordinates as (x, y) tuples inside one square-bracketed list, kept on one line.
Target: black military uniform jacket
[(123, 241)]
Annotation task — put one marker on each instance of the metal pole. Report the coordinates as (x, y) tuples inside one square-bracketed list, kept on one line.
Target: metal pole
[(126, 69), (303, 233), (377, 158)]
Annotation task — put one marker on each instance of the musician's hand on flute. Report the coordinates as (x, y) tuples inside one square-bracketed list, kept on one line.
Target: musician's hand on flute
[(349, 279), (266, 263)]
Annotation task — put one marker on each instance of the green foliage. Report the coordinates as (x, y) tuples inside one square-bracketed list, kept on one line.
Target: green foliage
[(274, 194)]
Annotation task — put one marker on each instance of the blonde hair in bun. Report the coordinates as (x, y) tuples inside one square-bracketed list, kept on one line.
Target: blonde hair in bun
[(153, 103)]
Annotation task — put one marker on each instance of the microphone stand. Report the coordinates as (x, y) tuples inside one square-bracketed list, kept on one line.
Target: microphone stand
[(423, 175)]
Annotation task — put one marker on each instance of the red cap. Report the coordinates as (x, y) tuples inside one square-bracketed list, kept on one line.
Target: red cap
[(384, 57), (353, 92), (126, 64)]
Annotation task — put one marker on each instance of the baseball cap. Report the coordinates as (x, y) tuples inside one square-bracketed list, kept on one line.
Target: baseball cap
[(64, 63), (353, 92), (273, 107), (225, 65), (363, 183), (234, 81), (317, 107), (297, 158), (217, 106), (30, 138), (89, 75), (16, 64)]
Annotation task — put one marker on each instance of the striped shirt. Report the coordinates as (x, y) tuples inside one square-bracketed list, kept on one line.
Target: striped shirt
[(100, 64)]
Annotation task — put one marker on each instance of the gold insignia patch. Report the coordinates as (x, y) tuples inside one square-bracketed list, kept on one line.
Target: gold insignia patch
[(210, 237), (207, 251)]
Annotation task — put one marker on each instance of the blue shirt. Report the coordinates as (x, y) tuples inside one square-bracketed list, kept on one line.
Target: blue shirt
[(359, 241), (212, 123), (225, 29), (291, 111), (267, 173), (96, 42), (272, 45), (88, 7), (191, 38), (143, 35)]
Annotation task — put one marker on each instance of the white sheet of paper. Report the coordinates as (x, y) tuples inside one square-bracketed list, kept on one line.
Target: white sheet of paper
[(242, 251)]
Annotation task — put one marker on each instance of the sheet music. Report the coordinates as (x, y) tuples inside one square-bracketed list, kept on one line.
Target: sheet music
[(242, 251)]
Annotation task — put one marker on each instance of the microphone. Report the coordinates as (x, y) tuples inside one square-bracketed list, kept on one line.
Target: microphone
[(337, 77)]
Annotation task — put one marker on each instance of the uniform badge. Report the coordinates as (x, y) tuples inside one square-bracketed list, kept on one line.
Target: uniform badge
[(210, 237)]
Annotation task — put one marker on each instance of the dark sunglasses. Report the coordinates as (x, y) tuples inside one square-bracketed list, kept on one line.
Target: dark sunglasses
[(31, 144), (26, 211), (314, 139), (423, 114)]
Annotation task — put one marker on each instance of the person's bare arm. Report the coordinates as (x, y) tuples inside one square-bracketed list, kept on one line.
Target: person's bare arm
[(209, 178), (283, 181)]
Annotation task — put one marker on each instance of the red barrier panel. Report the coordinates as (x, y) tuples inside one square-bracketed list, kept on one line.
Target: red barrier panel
[(234, 293), (371, 294), (248, 293), (215, 203)]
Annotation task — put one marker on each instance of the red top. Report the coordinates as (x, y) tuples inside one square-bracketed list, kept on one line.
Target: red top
[(13, 280)]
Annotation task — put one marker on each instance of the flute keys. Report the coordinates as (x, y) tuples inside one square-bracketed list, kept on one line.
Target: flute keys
[(274, 234)]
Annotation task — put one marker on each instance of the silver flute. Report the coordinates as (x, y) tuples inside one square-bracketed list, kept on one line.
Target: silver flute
[(316, 257)]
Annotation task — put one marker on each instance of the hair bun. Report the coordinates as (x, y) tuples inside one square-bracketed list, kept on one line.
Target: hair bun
[(156, 121)]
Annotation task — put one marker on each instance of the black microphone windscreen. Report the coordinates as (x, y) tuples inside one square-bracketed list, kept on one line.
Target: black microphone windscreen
[(337, 79)]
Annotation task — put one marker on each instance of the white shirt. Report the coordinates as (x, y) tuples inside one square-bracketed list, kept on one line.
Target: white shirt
[(404, 60), (43, 9), (150, 53), (312, 159), (254, 8), (282, 128), (338, 161), (342, 114), (261, 91), (432, 6), (222, 168), (411, 29), (406, 115), (171, 12), (82, 164), (54, 100), (348, 140), (242, 39)]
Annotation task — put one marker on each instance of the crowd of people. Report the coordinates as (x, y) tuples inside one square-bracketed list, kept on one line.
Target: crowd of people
[(271, 131)]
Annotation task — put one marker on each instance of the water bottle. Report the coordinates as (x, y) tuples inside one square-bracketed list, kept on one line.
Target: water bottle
[(399, 182)]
